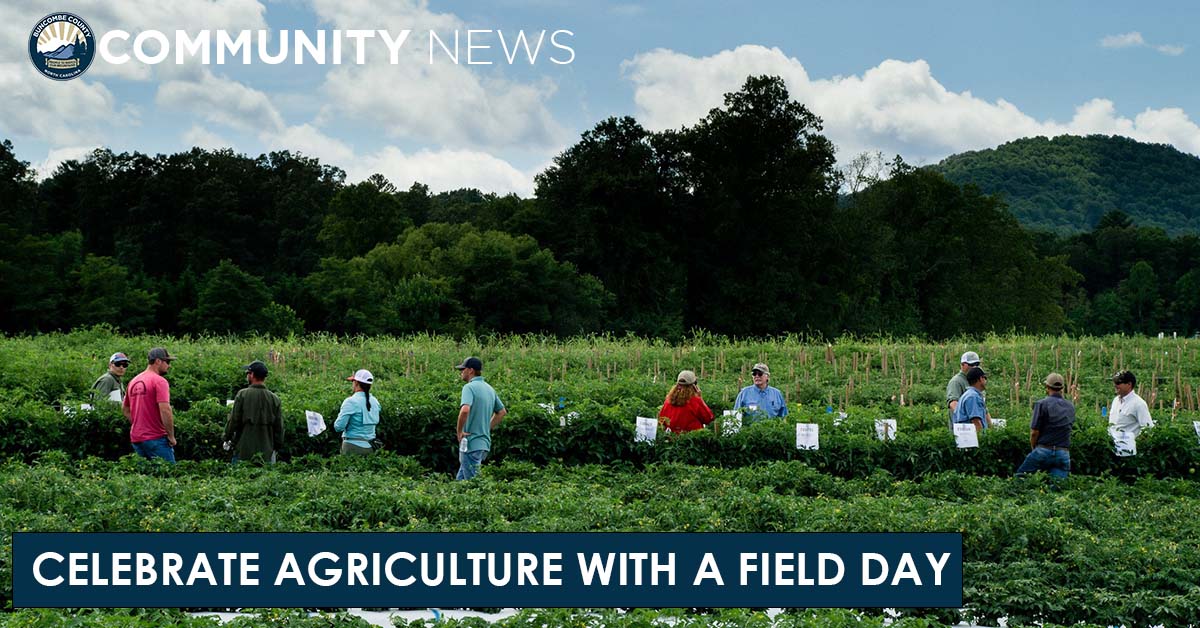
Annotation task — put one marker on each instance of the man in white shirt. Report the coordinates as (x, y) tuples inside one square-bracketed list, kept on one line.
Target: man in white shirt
[(1129, 413)]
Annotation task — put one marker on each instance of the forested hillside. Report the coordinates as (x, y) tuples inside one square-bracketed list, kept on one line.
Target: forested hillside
[(1066, 184)]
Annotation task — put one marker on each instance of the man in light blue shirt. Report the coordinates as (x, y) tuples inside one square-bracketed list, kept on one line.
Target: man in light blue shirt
[(761, 400), (480, 411), (971, 406)]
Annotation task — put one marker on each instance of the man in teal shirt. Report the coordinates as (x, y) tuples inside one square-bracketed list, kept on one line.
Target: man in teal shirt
[(479, 412)]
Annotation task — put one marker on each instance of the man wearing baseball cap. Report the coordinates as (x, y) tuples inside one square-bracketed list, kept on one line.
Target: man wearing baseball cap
[(971, 407), (759, 398), (255, 424), (148, 408), (1050, 432), (958, 384), (109, 385), (480, 411), (1129, 413)]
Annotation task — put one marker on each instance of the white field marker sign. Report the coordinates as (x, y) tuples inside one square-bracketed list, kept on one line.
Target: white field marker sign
[(1196, 426), (647, 430), (731, 422), (885, 429), (316, 422), (998, 423), (965, 436), (807, 436)]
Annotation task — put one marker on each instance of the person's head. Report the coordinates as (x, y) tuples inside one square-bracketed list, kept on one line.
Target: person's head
[(761, 375), (159, 360), (976, 378), (256, 372), (118, 364), (469, 368), (969, 361), (361, 382), (1054, 383), (684, 389), (1124, 382)]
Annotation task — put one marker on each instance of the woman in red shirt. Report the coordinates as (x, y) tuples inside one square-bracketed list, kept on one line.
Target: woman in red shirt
[(684, 410)]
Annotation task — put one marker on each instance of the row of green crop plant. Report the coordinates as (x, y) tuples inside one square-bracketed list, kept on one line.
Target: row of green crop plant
[(848, 447), (59, 368), (1089, 549), (576, 618)]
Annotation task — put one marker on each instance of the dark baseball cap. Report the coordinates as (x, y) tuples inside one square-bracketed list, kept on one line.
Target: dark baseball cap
[(257, 368), (471, 363), (158, 353)]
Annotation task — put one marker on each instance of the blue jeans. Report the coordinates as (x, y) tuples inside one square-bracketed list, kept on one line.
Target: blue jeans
[(1057, 462), (469, 463), (157, 448)]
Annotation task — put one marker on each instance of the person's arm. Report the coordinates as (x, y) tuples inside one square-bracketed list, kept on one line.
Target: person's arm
[(740, 400), (1143, 416), (1033, 438), (704, 413), (234, 422), (462, 421), (278, 425), (498, 417), (783, 410), (348, 408), (168, 420), (125, 409), (978, 424), (1035, 425)]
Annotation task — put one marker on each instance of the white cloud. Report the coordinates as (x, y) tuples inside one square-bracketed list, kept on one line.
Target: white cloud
[(897, 107), (444, 170), (1134, 39), (61, 113), (198, 136), (57, 156), (1124, 40), (442, 103), (222, 101)]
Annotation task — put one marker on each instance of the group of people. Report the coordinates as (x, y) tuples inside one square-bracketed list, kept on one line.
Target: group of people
[(684, 409), (254, 428), (255, 424), (1053, 416)]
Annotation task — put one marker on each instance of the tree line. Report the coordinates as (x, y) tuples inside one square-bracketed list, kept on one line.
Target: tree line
[(741, 224)]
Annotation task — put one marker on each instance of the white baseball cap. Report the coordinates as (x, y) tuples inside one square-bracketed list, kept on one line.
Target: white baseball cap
[(362, 376), (970, 357)]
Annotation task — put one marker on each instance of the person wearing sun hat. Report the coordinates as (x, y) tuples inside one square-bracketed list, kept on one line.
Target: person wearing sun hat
[(684, 410), (255, 425), (359, 416), (1050, 432), (109, 386)]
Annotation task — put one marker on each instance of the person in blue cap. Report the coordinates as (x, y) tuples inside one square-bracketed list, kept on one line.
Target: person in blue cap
[(110, 385)]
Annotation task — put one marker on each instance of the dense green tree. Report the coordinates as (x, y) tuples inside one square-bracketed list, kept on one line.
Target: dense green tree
[(229, 300)]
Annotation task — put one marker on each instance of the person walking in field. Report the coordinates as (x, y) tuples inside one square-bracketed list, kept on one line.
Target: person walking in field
[(1129, 414), (958, 384), (255, 425), (1050, 432), (110, 385), (684, 410), (148, 408), (971, 407), (480, 411), (759, 398), (358, 416)]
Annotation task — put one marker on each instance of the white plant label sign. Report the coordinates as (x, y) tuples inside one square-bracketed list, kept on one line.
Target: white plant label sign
[(885, 429), (998, 423), (807, 436), (316, 422), (965, 435), (647, 430), (731, 422)]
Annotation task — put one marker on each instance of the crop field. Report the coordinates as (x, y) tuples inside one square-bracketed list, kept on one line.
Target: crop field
[(1117, 543)]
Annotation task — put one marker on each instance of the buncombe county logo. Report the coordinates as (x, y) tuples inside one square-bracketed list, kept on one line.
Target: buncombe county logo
[(62, 46)]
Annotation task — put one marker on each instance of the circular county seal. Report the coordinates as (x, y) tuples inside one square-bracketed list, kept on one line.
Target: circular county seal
[(62, 46)]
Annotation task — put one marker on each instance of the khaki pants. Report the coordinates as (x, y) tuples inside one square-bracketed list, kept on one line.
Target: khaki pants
[(349, 449)]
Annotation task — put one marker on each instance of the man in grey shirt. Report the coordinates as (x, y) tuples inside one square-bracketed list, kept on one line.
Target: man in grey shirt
[(1050, 432), (958, 384)]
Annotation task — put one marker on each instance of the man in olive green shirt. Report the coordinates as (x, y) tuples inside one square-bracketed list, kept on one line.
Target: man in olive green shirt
[(109, 386), (958, 384), (255, 426)]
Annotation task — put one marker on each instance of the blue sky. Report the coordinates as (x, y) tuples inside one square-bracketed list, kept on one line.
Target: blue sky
[(919, 79)]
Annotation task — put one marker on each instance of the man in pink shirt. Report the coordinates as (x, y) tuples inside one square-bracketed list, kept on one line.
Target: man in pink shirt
[(147, 405)]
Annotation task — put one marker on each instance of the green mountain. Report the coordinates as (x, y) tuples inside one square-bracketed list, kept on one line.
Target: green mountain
[(1067, 183)]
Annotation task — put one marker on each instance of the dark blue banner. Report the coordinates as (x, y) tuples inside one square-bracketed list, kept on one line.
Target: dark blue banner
[(486, 569)]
